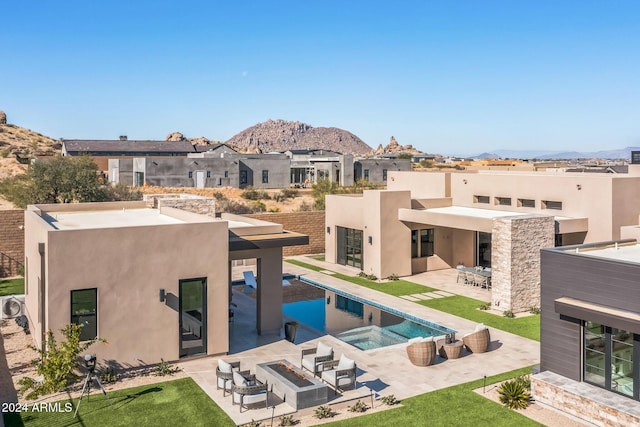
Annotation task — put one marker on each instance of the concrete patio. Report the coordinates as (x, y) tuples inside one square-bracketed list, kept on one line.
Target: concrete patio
[(382, 371)]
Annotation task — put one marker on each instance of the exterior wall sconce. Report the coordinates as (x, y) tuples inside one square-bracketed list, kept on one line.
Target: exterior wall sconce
[(370, 239), (464, 181), (163, 295), (579, 187), (370, 317), (328, 230), (329, 300)]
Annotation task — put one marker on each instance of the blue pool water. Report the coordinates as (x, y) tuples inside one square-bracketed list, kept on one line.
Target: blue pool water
[(362, 323)]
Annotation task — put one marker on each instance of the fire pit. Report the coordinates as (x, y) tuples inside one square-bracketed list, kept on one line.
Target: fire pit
[(290, 384)]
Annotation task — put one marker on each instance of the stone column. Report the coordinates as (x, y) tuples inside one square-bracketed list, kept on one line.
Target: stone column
[(515, 260)]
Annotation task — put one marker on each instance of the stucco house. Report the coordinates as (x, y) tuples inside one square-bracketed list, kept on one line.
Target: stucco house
[(154, 282)]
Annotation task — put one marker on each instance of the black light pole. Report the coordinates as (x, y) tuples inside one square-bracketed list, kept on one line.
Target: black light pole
[(484, 384)]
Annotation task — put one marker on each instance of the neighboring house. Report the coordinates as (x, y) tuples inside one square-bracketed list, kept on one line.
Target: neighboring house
[(500, 220), (590, 332), (155, 283), (203, 170), (102, 150), (376, 170)]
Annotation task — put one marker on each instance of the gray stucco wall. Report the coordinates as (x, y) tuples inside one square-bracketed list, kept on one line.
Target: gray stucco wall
[(376, 167), (174, 172), (567, 274)]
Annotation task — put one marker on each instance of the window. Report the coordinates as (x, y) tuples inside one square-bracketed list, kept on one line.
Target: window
[(422, 243), (608, 358), (190, 174), (265, 177), (366, 174), (243, 177), (526, 203), (503, 201), (208, 174), (384, 175), (84, 311), (226, 174), (549, 204), (481, 199)]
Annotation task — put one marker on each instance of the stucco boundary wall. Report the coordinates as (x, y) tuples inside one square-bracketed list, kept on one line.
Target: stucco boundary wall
[(587, 402), (309, 223), (11, 242)]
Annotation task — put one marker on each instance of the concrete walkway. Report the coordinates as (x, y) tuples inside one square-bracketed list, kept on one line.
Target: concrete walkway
[(382, 371)]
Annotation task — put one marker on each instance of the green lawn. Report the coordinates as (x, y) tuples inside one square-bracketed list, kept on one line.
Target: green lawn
[(395, 287), (454, 406), (178, 403), (12, 286), (528, 327)]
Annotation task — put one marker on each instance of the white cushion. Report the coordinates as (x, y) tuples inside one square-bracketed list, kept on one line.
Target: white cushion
[(479, 327), (341, 381), (414, 340), (323, 350), (224, 366), (239, 380), (345, 363), (309, 364), (225, 384)]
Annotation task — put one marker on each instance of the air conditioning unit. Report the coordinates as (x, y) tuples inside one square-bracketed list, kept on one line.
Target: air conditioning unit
[(11, 306)]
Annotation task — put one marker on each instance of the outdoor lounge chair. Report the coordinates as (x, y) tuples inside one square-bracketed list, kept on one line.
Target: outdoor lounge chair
[(478, 340), (313, 359), (250, 282), (340, 374), (421, 351), (246, 390), (224, 375)]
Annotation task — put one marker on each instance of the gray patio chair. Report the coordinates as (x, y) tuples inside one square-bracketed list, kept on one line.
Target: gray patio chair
[(247, 390), (224, 375), (340, 374), (312, 359)]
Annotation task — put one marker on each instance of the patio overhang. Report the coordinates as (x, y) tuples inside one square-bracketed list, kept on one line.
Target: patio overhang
[(266, 241), (585, 310), (565, 225)]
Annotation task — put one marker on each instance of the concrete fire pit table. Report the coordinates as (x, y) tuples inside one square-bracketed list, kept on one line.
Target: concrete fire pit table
[(290, 384)]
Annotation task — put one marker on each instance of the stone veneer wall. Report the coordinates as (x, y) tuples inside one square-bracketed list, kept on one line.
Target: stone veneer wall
[(11, 242), (190, 203), (309, 223), (590, 403), (515, 260)]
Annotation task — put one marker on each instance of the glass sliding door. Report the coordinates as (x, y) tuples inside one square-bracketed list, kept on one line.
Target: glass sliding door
[(193, 317), (483, 249), (349, 247)]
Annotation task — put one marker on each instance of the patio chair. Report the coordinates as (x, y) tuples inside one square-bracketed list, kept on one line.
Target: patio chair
[(313, 359), (246, 390), (470, 278), (421, 351), (461, 274), (340, 374), (250, 282), (478, 340), (224, 375)]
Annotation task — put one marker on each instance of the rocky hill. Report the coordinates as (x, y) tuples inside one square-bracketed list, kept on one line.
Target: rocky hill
[(395, 148), (282, 135)]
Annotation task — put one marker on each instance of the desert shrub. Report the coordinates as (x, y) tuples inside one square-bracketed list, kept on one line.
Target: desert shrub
[(251, 193), (323, 411), (287, 420), (107, 375), (424, 163), (484, 307), (534, 310), (509, 314), (164, 368), (359, 406), (274, 210), (289, 193), (525, 380), (121, 192), (5, 153), (57, 363), (393, 277), (371, 277), (233, 207), (304, 207), (390, 400), (253, 423), (514, 395), (258, 206)]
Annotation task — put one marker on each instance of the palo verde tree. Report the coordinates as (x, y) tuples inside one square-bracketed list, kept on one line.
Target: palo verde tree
[(62, 180)]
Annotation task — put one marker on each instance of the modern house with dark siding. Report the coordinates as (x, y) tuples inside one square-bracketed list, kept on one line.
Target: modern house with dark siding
[(590, 332)]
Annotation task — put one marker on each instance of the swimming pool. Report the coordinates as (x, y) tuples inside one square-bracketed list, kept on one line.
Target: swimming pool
[(362, 323)]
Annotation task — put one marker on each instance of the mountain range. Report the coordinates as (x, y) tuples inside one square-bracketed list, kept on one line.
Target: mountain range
[(623, 153)]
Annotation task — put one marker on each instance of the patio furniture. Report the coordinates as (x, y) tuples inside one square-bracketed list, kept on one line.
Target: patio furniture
[(246, 390), (340, 374), (449, 351), (250, 282), (478, 340), (292, 385), (224, 375), (313, 359), (421, 351), (461, 274)]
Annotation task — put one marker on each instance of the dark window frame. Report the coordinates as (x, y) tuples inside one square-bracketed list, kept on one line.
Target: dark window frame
[(90, 327), (265, 176), (485, 200)]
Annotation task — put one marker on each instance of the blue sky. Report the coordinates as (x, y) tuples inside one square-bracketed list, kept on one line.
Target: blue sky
[(447, 77)]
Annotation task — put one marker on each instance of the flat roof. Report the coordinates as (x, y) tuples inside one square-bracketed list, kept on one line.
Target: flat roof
[(475, 212), (82, 220), (616, 252)]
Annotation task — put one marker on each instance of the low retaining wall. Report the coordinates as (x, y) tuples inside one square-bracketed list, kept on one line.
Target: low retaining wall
[(11, 242)]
